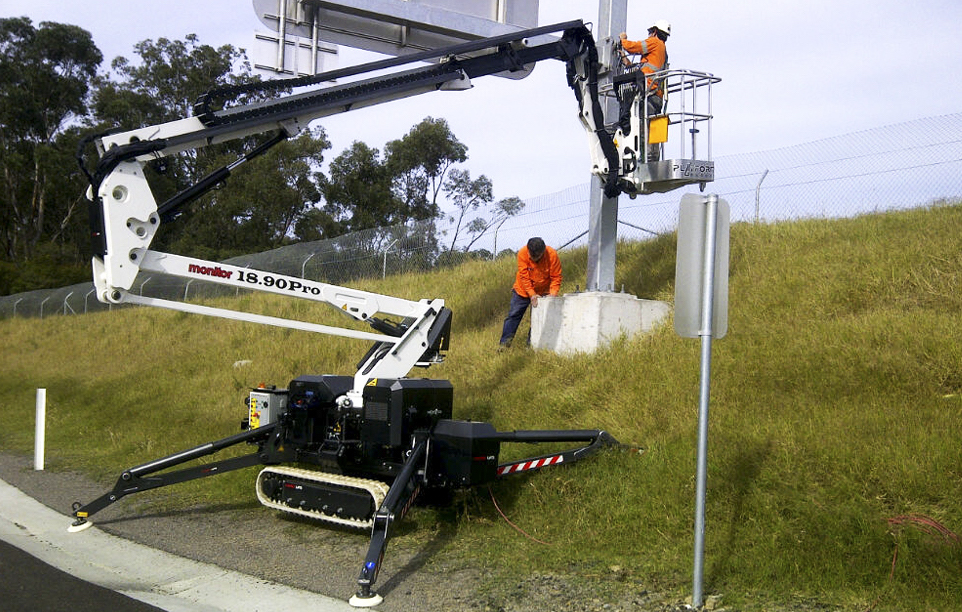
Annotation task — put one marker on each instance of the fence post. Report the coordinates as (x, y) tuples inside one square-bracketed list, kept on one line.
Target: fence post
[(15, 306), (66, 306), (303, 265), (41, 305), (87, 296), (384, 264), (494, 249), (758, 189)]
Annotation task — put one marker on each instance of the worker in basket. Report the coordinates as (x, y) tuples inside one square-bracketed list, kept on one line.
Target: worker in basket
[(653, 57)]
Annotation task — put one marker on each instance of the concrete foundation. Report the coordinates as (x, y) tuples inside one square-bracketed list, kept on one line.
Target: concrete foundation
[(584, 322)]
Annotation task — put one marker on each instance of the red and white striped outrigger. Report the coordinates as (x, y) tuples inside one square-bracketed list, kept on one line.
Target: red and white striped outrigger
[(529, 464), (596, 438)]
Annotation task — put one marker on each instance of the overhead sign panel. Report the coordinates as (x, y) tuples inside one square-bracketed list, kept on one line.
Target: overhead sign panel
[(397, 27), (300, 56)]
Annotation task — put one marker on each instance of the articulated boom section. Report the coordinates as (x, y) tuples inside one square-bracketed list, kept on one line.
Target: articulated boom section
[(125, 216)]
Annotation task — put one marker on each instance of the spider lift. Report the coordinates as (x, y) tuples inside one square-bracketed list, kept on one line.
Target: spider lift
[(375, 440)]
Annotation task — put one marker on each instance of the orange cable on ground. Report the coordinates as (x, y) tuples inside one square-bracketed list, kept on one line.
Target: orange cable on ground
[(927, 525), (516, 528)]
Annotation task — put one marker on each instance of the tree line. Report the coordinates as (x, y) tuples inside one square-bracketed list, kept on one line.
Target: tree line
[(54, 92)]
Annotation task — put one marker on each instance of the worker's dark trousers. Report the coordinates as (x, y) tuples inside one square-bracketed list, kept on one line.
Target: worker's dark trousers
[(516, 312), (624, 115)]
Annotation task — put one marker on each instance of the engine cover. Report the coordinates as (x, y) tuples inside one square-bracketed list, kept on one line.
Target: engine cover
[(395, 408)]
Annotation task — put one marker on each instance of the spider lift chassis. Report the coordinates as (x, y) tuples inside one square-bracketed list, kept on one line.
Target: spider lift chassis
[(378, 432), (413, 477)]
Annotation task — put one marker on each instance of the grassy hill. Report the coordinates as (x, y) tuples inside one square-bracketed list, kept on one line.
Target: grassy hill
[(836, 414)]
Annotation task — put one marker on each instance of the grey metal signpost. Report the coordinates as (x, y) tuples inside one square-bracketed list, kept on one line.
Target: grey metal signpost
[(701, 310)]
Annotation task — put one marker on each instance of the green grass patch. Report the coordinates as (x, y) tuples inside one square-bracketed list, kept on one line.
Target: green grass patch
[(836, 406)]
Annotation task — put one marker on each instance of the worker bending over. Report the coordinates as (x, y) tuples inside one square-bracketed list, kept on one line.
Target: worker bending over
[(539, 274)]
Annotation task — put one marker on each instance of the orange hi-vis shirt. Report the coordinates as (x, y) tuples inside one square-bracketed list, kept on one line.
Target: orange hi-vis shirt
[(654, 54), (538, 277)]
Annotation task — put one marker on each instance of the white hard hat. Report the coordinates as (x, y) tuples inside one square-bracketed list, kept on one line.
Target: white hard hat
[(663, 25)]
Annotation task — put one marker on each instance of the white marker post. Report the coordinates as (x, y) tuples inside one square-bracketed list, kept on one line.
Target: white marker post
[(41, 429), (701, 311)]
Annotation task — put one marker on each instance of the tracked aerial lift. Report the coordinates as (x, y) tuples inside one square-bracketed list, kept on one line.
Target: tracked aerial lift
[(367, 444)]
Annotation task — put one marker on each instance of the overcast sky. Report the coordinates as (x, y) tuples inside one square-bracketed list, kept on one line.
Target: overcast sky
[(792, 72)]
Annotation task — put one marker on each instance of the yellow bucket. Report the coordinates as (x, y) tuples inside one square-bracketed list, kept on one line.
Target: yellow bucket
[(658, 130)]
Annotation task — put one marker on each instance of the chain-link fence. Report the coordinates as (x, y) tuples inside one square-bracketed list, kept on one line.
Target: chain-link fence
[(901, 166)]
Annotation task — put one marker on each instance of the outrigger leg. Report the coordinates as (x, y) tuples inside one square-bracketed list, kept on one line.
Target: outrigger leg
[(395, 506), (409, 482), (138, 478), (596, 438)]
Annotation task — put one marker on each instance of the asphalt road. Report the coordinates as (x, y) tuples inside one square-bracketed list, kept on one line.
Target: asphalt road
[(45, 568), (27, 584)]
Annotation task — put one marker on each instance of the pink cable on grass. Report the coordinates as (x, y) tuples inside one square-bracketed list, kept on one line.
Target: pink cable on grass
[(926, 524), (516, 528)]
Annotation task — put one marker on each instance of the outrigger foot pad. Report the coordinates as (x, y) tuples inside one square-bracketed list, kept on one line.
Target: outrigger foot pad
[(365, 601), (81, 521)]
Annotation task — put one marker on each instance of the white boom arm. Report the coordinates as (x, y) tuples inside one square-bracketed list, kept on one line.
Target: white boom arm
[(130, 223), (125, 216)]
